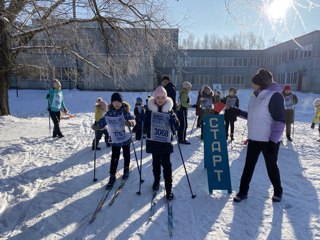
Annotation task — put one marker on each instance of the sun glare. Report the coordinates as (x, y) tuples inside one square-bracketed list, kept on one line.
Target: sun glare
[(277, 9)]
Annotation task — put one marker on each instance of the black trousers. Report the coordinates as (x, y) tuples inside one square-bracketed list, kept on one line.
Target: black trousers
[(138, 130), (116, 155), (270, 152), (182, 116), (163, 160), (55, 117), (231, 123)]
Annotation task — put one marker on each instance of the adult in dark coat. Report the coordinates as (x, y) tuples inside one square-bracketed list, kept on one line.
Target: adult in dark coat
[(171, 90)]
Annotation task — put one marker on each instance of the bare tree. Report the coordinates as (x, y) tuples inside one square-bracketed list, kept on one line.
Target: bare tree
[(118, 22)]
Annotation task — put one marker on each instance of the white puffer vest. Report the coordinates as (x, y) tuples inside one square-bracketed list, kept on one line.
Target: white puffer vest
[(259, 117)]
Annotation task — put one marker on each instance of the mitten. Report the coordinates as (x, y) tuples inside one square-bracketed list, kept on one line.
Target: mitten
[(129, 123), (95, 127)]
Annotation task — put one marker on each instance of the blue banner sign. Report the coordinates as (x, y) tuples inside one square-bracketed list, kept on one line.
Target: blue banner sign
[(216, 153)]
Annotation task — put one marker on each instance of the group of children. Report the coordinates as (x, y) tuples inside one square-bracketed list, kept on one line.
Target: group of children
[(159, 122)]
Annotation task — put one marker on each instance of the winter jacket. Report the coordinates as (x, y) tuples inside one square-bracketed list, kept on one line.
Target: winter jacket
[(184, 100), (289, 101), (316, 118), (231, 101), (112, 112), (137, 112), (171, 92), (156, 147), (271, 100), (206, 103), (56, 102), (99, 112)]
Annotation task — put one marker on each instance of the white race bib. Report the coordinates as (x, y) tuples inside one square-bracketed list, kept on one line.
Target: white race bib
[(57, 100), (160, 130), (117, 129)]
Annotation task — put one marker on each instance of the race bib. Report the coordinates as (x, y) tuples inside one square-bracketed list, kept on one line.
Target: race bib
[(207, 103), (117, 129), (160, 130), (57, 100), (288, 100), (231, 102)]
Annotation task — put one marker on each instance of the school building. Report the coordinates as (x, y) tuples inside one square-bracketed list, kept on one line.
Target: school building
[(295, 62)]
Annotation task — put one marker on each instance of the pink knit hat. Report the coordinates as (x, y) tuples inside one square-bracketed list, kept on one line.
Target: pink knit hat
[(160, 92)]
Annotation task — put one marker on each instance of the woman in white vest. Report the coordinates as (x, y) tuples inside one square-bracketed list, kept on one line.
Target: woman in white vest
[(265, 128)]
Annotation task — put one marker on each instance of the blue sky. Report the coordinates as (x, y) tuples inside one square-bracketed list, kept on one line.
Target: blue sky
[(210, 17)]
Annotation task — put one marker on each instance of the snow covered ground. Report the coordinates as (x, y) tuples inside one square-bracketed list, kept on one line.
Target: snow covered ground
[(47, 189)]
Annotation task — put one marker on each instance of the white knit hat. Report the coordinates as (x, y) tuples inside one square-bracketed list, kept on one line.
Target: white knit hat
[(316, 102)]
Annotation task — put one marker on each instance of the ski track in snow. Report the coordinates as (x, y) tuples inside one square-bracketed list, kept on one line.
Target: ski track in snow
[(47, 192)]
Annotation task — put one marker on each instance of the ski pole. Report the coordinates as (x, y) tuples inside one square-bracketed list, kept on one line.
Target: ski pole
[(135, 154), (95, 156), (293, 123), (49, 117), (184, 166), (194, 122), (139, 192)]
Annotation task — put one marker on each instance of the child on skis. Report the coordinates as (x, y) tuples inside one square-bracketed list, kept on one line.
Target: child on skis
[(55, 104), (290, 100), (230, 117), (138, 112), (117, 118), (316, 118), (100, 109), (159, 124)]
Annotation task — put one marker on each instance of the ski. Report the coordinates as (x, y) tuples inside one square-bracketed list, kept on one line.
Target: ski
[(99, 207), (153, 205), (118, 191), (170, 218)]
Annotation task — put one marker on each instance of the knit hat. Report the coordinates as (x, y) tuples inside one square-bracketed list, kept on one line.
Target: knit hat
[(286, 87), (262, 78), (116, 97), (160, 92), (139, 100), (56, 84), (316, 102), (101, 103), (186, 85)]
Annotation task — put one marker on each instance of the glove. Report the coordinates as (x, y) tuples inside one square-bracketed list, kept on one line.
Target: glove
[(172, 121), (129, 123), (194, 106), (48, 96), (312, 125), (95, 127)]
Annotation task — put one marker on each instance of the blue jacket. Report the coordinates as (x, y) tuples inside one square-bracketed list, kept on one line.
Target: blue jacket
[(56, 100), (125, 111)]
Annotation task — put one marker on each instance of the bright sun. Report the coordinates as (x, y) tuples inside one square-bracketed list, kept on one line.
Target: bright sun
[(277, 9)]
